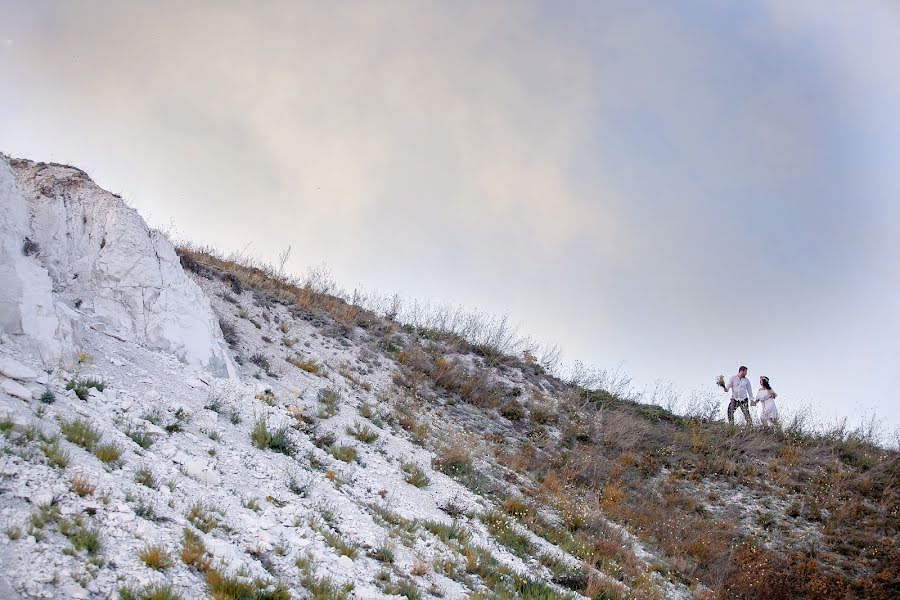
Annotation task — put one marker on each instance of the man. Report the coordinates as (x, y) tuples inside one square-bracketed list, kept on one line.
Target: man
[(741, 392)]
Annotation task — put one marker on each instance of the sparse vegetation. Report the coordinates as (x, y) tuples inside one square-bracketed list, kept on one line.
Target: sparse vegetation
[(415, 475), (81, 485), (57, 456), (278, 440), (156, 558), (330, 399), (80, 432), (344, 453), (310, 365), (363, 433), (144, 476), (202, 518), (82, 386), (150, 592), (109, 453)]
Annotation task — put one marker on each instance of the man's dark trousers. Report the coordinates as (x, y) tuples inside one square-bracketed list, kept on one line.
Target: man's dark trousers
[(745, 408)]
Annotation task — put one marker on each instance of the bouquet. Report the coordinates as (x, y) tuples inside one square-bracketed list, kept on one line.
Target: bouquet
[(721, 381)]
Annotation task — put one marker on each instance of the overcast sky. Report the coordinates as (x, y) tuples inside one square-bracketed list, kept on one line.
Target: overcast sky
[(676, 187)]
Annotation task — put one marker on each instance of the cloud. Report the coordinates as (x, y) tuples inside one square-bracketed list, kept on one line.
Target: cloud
[(626, 179)]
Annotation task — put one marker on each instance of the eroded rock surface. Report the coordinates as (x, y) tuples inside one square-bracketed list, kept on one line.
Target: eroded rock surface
[(91, 259)]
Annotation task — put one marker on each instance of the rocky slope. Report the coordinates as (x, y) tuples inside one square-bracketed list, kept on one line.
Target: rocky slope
[(350, 456)]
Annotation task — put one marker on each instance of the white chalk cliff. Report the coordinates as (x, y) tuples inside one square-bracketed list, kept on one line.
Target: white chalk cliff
[(75, 255)]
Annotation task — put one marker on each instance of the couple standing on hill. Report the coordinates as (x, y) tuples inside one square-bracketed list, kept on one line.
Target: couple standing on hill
[(742, 392)]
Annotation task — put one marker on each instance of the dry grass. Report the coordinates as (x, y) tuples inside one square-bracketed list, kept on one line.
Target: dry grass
[(454, 458), (156, 558), (310, 365), (193, 551), (82, 485)]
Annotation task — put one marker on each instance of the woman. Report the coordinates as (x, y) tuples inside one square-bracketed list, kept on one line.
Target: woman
[(768, 414)]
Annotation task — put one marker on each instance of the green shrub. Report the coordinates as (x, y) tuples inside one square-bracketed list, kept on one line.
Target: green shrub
[(144, 476), (415, 475), (363, 433), (81, 386), (151, 592), (140, 436), (56, 455), (278, 440), (108, 453), (344, 453), (81, 536), (80, 432)]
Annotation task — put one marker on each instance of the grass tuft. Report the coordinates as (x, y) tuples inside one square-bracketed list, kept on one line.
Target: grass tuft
[(80, 432), (156, 558)]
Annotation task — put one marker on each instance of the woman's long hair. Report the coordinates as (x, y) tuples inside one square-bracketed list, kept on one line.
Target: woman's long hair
[(767, 385)]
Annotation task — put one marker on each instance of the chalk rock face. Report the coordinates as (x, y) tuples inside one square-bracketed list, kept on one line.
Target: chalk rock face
[(92, 255), (29, 312)]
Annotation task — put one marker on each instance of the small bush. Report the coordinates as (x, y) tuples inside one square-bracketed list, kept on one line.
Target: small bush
[(81, 386), (193, 551), (278, 440), (504, 531), (108, 453), (56, 455), (306, 364), (48, 397), (81, 485), (144, 476), (299, 486), (145, 510), (330, 399), (229, 333), (80, 432), (453, 459), (81, 536), (202, 518), (385, 552), (344, 453), (516, 507), (151, 592), (155, 557), (512, 410), (140, 436), (260, 361), (415, 475), (320, 588), (363, 433)]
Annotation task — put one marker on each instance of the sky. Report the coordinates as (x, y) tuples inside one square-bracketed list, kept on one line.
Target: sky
[(673, 189)]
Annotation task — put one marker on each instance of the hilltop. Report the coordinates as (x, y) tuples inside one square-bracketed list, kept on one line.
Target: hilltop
[(181, 424)]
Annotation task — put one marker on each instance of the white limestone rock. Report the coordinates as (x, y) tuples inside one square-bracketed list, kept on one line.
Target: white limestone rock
[(16, 370), (197, 468), (96, 250), (14, 388), (29, 313)]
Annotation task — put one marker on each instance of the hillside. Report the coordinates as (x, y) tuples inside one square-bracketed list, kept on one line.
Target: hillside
[(180, 425)]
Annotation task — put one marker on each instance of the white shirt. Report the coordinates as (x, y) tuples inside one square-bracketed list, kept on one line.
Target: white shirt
[(740, 388)]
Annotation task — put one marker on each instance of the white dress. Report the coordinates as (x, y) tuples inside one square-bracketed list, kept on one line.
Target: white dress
[(767, 411)]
